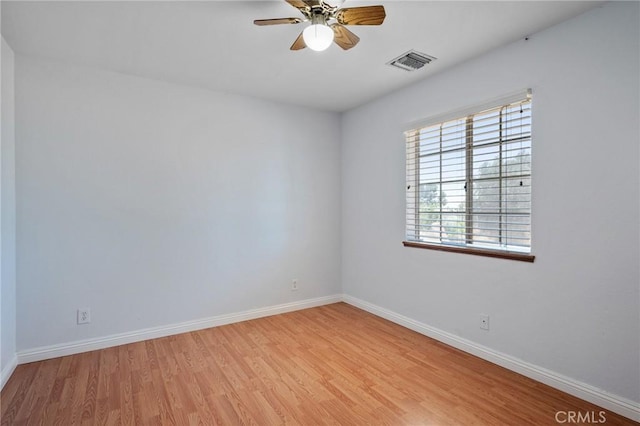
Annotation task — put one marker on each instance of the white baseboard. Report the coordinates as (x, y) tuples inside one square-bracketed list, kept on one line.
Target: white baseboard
[(7, 371), (617, 404), (64, 349)]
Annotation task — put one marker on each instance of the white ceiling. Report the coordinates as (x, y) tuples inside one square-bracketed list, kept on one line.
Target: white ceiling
[(214, 44)]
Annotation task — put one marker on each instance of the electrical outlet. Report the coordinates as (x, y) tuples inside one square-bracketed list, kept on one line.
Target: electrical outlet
[(294, 285), (484, 322), (84, 316)]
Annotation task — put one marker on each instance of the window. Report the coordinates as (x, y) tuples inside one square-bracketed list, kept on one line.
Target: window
[(469, 181)]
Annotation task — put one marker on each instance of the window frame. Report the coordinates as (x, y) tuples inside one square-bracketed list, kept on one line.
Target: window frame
[(414, 155)]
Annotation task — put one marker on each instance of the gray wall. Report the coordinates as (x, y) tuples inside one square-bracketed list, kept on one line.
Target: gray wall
[(8, 222), (154, 204), (575, 311)]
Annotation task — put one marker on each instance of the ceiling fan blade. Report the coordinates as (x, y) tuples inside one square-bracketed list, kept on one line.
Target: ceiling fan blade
[(367, 15), (277, 21), (298, 4), (299, 43), (312, 3), (343, 37)]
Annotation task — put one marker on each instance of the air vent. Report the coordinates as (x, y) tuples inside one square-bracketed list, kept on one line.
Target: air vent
[(411, 61)]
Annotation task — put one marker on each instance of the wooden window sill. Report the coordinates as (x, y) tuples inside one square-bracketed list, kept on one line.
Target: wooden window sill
[(478, 252)]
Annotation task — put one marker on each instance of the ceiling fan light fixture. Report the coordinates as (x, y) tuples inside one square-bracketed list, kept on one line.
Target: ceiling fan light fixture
[(327, 23), (318, 37)]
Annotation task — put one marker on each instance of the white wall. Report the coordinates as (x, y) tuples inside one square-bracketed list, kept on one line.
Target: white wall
[(154, 204), (7, 223), (575, 310)]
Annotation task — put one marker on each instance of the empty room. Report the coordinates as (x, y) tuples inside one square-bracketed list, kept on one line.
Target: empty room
[(320, 212)]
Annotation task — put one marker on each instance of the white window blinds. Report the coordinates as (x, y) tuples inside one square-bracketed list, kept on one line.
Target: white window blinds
[(469, 179)]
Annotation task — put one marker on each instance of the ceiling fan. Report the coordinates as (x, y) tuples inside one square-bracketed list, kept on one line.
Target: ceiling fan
[(327, 23)]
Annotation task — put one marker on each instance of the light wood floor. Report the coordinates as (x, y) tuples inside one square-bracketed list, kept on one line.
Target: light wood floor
[(334, 364)]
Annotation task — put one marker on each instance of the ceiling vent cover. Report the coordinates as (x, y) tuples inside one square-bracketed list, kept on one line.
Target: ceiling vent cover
[(411, 61)]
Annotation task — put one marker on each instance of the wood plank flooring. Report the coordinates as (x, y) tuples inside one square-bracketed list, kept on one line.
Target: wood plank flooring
[(333, 364)]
